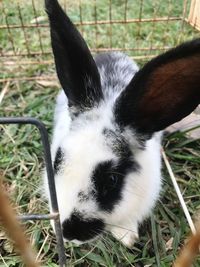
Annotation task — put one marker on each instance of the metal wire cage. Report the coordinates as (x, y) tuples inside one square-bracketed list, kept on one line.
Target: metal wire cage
[(141, 28)]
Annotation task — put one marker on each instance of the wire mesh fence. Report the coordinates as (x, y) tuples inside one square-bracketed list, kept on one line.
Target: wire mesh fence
[(140, 28)]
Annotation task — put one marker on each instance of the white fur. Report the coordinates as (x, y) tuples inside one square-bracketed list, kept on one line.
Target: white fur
[(140, 193), (85, 146)]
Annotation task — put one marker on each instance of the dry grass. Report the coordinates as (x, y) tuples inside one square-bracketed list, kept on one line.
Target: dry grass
[(21, 153)]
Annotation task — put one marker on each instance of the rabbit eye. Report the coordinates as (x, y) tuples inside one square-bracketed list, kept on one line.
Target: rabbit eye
[(110, 186), (109, 179), (113, 179)]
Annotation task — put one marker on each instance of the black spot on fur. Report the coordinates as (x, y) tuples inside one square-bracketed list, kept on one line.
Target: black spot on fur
[(81, 229), (109, 179), (58, 160), (82, 196), (119, 144)]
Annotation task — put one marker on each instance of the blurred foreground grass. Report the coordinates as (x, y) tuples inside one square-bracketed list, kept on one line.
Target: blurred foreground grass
[(21, 155)]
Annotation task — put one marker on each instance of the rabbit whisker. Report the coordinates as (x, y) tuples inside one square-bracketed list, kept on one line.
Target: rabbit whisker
[(121, 227)]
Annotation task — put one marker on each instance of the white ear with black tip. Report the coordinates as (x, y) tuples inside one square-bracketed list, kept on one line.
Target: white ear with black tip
[(163, 92), (75, 65)]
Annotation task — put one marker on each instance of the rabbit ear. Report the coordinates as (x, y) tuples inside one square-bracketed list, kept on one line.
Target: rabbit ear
[(164, 91), (76, 68)]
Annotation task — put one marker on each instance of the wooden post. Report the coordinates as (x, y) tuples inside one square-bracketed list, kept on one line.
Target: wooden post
[(194, 15)]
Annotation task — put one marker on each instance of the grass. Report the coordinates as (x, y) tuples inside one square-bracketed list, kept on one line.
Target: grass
[(152, 36), (21, 156)]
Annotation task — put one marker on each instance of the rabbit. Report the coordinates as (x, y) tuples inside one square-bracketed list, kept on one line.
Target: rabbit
[(108, 125)]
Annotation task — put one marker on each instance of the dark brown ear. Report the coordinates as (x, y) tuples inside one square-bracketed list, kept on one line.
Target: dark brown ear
[(164, 91)]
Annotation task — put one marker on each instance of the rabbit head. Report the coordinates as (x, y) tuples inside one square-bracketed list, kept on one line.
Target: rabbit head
[(106, 140)]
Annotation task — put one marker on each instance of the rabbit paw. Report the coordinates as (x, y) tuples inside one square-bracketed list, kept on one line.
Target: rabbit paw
[(127, 237)]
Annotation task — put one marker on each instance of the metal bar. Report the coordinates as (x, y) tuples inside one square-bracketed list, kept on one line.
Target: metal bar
[(183, 23), (185, 11), (125, 19), (92, 50), (25, 54), (155, 11), (38, 26), (7, 26), (100, 22), (96, 26), (139, 24), (52, 78), (80, 17), (18, 26), (26, 62), (33, 217), (110, 26), (47, 77), (125, 10), (165, 39), (23, 29), (50, 175)]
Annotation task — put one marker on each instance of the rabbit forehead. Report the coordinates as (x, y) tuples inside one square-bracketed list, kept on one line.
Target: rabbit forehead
[(87, 138)]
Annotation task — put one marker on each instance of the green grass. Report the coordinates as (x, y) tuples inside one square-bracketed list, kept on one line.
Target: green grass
[(21, 157), (147, 35)]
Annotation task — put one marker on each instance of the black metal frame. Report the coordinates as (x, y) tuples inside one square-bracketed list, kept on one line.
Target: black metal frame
[(54, 215)]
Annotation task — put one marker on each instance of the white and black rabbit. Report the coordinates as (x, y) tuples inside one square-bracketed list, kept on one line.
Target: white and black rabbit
[(107, 130)]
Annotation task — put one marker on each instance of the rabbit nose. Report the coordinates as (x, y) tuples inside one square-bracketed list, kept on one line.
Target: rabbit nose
[(81, 229)]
